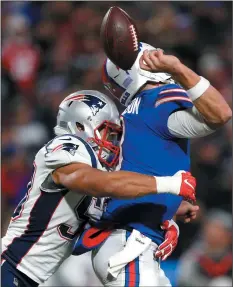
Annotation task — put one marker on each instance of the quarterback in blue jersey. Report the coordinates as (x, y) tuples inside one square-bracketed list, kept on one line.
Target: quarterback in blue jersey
[(167, 104)]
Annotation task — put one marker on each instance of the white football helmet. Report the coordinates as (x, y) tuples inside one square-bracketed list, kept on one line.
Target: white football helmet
[(125, 84), (93, 117)]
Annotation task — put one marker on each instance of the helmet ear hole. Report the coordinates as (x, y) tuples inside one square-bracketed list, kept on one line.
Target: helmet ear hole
[(80, 127)]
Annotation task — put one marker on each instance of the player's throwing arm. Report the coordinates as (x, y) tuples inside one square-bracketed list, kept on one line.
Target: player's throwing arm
[(207, 100)]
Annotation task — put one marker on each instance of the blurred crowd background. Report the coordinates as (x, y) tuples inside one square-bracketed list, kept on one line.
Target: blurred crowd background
[(51, 49)]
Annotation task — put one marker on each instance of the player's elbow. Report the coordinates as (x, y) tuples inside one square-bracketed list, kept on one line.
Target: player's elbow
[(225, 115), (60, 179), (221, 117)]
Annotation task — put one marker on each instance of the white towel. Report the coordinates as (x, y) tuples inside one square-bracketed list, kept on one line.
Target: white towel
[(136, 244)]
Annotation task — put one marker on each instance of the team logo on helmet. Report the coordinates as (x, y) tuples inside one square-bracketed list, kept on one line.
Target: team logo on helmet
[(94, 103)]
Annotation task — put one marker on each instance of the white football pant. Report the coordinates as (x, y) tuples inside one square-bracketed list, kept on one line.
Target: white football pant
[(143, 270)]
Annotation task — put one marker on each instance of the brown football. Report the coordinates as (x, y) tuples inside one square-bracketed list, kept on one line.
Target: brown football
[(119, 36)]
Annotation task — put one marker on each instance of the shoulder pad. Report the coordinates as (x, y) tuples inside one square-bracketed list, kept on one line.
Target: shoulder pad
[(172, 93), (67, 149)]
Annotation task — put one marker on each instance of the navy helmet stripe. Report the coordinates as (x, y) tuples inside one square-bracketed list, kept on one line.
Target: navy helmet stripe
[(38, 223)]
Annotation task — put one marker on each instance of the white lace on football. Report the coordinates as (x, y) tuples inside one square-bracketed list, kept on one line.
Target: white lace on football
[(134, 36)]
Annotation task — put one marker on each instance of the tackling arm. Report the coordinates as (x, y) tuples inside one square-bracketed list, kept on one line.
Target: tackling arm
[(98, 183), (121, 184)]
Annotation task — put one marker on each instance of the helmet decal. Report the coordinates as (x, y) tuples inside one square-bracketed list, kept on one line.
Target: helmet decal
[(94, 103), (98, 117)]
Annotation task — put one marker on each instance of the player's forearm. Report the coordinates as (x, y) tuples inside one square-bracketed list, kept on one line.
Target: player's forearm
[(120, 184), (125, 184), (211, 104)]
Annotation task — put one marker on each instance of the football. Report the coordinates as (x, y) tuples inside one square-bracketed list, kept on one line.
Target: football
[(119, 36)]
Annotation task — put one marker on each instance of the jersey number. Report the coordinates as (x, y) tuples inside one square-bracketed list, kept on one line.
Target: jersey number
[(20, 207), (84, 211)]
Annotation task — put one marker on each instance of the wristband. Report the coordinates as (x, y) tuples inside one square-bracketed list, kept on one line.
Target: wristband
[(165, 184), (198, 90)]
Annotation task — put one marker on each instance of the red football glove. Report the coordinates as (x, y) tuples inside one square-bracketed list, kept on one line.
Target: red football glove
[(171, 239), (188, 185), (182, 183)]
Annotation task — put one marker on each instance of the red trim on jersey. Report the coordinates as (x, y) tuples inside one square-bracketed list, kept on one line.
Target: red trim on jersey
[(173, 90), (171, 99), (44, 230)]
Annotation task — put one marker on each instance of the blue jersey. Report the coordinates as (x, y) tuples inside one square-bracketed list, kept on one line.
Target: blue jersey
[(149, 148)]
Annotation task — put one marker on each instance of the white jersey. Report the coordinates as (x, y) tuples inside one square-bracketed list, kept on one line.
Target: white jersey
[(46, 220)]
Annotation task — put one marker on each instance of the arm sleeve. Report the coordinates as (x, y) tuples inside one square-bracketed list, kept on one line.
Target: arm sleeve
[(170, 99), (188, 123)]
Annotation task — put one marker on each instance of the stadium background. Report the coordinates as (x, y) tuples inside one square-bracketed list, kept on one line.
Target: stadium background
[(50, 49)]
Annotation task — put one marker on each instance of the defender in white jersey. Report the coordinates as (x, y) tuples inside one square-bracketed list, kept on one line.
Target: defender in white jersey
[(69, 167), (49, 216)]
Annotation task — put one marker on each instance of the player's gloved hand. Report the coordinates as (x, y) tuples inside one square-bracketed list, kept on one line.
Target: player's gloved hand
[(171, 239), (188, 185), (181, 183)]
